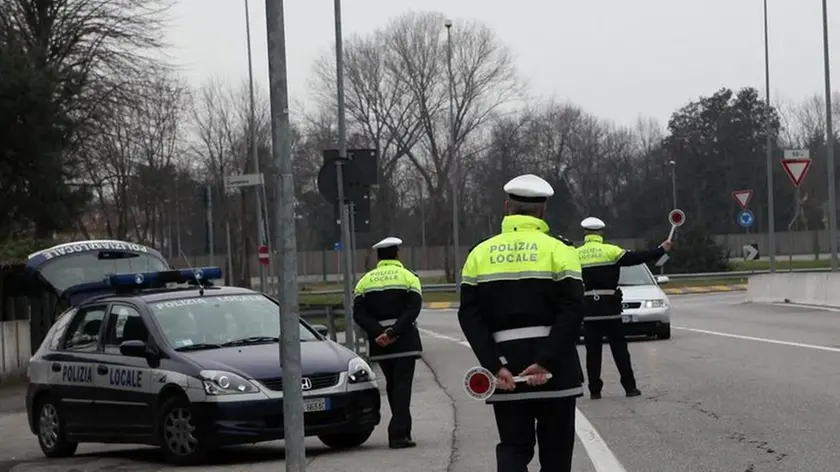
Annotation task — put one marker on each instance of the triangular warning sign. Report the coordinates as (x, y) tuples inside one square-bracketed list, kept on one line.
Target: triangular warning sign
[(742, 197), (796, 169)]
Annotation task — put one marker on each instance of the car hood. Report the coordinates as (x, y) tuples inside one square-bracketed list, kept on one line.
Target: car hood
[(641, 292), (262, 361)]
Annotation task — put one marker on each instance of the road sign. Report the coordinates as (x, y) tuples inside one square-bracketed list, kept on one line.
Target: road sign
[(365, 159), (245, 180), (361, 214), (749, 252), (745, 218), (480, 383), (796, 169), (337, 246), (797, 154), (743, 197), (262, 254), (328, 181)]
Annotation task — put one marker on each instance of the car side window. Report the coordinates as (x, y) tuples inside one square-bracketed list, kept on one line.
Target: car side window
[(83, 332), (124, 324), (59, 328)]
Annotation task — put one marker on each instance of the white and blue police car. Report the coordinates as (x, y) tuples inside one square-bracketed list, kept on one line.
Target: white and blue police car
[(188, 368)]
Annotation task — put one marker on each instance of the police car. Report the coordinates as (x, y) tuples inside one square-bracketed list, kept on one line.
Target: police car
[(187, 368), (646, 309)]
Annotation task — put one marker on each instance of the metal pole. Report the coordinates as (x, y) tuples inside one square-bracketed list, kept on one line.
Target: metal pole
[(829, 131), (210, 242), (353, 242), (252, 125), (286, 241), (771, 211), (229, 255), (342, 154), (178, 224), (674, 182), (456, 240)]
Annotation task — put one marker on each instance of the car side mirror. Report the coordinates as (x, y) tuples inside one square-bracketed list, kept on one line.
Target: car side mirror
[(662, 279), (133, 348), (321, 329)]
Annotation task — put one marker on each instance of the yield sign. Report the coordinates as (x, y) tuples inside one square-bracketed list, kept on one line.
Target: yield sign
[(742, 197), (796, 169)]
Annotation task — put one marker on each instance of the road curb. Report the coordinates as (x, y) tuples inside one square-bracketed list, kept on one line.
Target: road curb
[(669, 291)]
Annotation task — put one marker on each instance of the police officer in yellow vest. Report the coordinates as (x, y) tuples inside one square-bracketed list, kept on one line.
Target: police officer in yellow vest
[(387, 302), (521, 310), (601, 263)]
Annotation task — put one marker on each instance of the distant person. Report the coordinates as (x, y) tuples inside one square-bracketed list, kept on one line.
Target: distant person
[(521, 310), (601, 263), (387, 303)]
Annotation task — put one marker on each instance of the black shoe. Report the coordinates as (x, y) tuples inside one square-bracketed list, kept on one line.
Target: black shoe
[(595, 396), (634, 392), (401, 443)]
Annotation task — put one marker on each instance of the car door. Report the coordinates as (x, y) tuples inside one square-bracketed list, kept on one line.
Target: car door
[(124, 403), (72, 368)]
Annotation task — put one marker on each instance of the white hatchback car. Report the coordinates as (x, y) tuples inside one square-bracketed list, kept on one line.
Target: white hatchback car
[(646, 308)]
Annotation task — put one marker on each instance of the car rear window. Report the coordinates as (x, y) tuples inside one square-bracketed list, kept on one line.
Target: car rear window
[(220, 319)]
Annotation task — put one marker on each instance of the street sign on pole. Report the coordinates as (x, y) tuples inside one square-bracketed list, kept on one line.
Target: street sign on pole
[(796, 164), (743, 197), (243, 180), (749, 252), (745, 218), (263, 255)]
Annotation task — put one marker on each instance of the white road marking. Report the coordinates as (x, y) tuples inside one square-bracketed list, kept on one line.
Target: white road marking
[(763, 340), (599, 453)]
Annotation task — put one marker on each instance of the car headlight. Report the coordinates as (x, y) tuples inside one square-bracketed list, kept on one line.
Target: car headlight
[(218, 382), (359, 371), (653, 303)]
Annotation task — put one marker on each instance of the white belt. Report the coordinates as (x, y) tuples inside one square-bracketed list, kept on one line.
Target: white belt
[(390, 322), (596, 294), (521, 333)]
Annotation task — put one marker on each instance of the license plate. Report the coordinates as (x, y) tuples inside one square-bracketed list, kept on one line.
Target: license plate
[(315, 404), (627, 318)]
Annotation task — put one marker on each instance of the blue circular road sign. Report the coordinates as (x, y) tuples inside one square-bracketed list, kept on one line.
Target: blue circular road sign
[(745, 218)]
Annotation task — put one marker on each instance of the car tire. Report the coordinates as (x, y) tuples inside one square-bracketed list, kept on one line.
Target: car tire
[(52, 434), (179, 433), (346, 440), (664, 331)]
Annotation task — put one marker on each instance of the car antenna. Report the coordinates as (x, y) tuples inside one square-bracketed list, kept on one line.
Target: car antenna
[(197, 279)]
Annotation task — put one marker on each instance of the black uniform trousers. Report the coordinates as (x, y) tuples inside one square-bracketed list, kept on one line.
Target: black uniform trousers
[(594, 332), (554, 434), (399, 377)]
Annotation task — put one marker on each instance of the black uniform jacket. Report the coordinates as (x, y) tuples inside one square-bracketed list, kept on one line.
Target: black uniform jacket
[(389, 297), (601, 263), (522, 303)]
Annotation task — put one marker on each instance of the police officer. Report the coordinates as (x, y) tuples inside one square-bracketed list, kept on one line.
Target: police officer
[(601, 263), (387, 302), (521, 310)]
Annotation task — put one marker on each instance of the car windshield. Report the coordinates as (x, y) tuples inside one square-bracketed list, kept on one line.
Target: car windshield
[(87, 267), (211, 322), (635, 275)]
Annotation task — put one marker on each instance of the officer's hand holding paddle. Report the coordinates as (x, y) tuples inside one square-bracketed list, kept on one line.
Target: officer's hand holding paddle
[(505, 380), (667, 245), (536, 374)]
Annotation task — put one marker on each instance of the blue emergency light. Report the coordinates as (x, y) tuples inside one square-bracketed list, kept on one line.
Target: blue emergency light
[(197, 276)]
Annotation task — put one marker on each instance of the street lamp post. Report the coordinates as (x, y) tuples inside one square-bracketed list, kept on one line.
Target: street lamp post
[(456, 240), (829, 132), (771, 211)]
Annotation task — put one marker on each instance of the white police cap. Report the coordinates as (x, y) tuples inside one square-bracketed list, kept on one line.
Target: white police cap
[(529, 187), (592, 224), (388, 242)]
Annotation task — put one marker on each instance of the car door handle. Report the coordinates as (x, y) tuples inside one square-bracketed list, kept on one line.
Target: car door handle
[(101, 369), (56, 367)]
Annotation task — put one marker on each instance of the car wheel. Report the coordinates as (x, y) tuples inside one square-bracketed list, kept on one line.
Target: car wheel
[(664, 331), (346, 440), (52, 436), (179, 434)]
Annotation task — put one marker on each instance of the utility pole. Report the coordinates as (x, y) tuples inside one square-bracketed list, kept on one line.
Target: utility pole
[(346, 242), (771, 211), (829, 133), (456, 239), (252, 128), (293, 426)]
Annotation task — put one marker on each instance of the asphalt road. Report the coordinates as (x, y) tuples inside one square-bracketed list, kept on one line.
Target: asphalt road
[(738, 388)]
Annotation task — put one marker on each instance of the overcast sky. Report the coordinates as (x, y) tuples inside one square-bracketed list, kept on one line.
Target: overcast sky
[(617, 59)]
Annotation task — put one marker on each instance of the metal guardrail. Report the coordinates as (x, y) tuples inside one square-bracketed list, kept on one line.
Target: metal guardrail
[(328, 314), (737, 274)]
